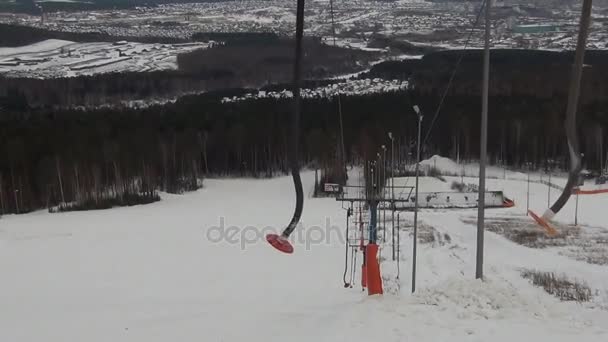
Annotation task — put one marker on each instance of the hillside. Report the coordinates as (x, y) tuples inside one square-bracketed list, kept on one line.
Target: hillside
[(163, 272)]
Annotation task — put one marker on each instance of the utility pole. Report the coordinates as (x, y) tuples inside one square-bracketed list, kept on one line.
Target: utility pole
[(333, 26), (384, 186), (414, 252), (549, 185), (380, 192), (528, 192), (462, 175), (484, 147), (390, 135), (576, 211)]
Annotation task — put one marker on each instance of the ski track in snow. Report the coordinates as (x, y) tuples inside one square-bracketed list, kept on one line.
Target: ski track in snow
[(149, 273)]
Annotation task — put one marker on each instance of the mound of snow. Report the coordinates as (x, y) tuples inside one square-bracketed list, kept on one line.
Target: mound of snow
[(470, 298), (447, 167), (443, 164)]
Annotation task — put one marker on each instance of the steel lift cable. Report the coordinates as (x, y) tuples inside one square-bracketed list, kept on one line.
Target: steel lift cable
[(349, 211), (281, 242), (342, 149), (453, 75)]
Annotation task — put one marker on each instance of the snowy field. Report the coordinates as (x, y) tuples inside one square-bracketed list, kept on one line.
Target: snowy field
[(154, 273), (61, 58)]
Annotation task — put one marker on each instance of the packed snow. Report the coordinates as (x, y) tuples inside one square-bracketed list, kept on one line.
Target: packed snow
[(157, 273)]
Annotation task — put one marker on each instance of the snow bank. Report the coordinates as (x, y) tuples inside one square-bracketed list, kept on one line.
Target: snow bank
[(443, 164), (449, 167), (471, 298)]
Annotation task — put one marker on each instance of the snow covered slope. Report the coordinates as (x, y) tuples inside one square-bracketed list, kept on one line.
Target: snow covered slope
[(151, 273), (43, 46), (60, 58)]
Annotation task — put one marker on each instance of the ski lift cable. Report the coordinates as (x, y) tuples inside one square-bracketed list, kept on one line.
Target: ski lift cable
[(452, 76), (409, 101), (280, 242), (333, 34)]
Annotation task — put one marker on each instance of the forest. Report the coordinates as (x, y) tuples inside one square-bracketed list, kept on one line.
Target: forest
[(250, 60), (269, 60), (55, 157)]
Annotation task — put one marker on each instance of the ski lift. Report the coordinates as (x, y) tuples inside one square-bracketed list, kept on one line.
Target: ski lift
[(281, 242)]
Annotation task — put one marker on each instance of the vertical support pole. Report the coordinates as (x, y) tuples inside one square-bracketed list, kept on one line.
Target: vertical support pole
[(398, 246), (484, 146), (549, 189), (528, 192), (393, 207), (414, 249), (372, 189), (374, 280), (373, 221), (383, 187), (576, 211), (16, 193), (362, 245), (462, 175), (333, 27)]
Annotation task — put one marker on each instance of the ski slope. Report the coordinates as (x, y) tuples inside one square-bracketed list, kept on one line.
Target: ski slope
[(150, 273), (54, 58)]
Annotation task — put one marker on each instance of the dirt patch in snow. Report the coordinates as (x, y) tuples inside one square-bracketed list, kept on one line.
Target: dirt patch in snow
[(559, 285), (583, 243), (427, 234)]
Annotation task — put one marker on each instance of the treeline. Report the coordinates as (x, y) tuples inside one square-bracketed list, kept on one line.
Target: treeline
[(402, 46), (59, 156), (528, 95), (236, 65), (55, 157), (238, 38), (268, 59), (18, 35), (76, 160), (104, 89)]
